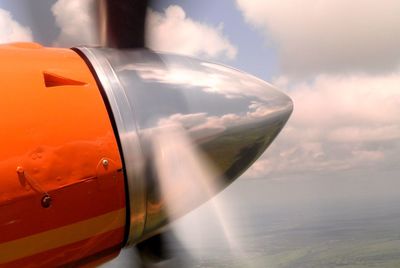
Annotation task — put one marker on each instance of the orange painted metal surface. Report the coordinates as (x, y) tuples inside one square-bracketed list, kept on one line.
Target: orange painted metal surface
[(61, 182)]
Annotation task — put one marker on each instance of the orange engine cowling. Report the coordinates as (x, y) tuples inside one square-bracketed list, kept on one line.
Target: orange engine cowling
[(62, 193)]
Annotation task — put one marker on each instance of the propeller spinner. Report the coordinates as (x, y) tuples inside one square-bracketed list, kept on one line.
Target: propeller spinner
[(229, 116)]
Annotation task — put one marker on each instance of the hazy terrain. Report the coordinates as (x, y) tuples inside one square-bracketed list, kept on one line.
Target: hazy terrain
[(343, 221)]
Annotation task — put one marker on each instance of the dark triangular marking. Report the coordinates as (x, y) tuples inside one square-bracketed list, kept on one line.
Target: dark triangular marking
[(53, 80)]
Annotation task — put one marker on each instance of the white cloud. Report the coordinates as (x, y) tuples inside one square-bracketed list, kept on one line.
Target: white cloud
[(11, 30), (173, 31), (339, 123), (314, 36), (340, 64), (348, 100), (76, 20)]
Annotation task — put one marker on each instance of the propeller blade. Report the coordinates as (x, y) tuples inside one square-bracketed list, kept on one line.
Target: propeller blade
[(121, 23), (180, 177), (183, 174)]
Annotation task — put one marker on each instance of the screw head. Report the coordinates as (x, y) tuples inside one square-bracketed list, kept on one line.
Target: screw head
[(46, 201)]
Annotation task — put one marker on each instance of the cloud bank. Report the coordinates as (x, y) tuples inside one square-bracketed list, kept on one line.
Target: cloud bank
[(339, 123), (314, 36), (11, 30), (340, 64)]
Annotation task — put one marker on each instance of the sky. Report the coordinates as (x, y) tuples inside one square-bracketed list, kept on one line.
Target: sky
[(338, 60)]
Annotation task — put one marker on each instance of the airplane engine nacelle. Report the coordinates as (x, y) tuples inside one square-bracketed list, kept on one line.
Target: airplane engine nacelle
[(94, 140)]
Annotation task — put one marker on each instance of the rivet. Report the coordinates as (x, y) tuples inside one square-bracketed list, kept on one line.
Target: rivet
[(105, 162), (20, 170), (46, 201)]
